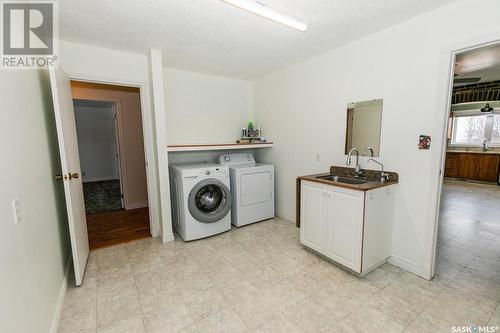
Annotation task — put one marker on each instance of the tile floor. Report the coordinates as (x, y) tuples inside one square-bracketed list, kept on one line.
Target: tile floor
[(259, 279)]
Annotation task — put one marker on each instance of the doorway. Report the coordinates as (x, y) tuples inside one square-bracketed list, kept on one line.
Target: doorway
[(98, 146), (468, 246), (111, 148)]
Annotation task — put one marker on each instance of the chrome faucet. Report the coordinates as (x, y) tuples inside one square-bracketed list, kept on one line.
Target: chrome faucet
[(357, 170), (383, 176), (485, 145)]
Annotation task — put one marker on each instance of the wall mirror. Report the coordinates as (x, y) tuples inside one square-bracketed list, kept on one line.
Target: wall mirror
[(364, 121)]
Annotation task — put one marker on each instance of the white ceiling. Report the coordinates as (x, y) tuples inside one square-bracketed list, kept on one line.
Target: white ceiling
[(213, 37), (483, 62)]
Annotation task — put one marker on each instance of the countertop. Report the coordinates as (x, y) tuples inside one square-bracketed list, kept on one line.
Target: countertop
[(359, 187), (489, 152), (349, 172)]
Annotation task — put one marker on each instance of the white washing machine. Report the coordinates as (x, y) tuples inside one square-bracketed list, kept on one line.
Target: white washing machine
[(252, 188), (201, 200)]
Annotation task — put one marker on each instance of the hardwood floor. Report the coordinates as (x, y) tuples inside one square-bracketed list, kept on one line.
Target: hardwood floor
[(121, 226)]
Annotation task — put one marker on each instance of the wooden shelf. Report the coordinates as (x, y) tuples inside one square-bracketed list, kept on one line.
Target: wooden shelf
[(217, 146)]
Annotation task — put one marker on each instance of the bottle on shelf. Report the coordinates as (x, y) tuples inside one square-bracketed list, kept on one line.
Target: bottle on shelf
[(250, 129)]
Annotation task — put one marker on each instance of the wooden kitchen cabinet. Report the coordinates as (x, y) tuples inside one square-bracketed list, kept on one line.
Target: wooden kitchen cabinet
[(472, 166), (350, 227), (488, 168), (469, 166), (451, 165)]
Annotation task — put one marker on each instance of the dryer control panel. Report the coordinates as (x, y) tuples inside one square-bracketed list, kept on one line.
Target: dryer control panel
[(237, 159)]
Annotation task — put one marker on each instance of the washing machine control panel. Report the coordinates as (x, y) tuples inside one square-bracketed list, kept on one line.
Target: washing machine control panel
[(214, 171)]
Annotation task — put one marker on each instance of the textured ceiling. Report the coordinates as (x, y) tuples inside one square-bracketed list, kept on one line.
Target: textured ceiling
[(213, 37)]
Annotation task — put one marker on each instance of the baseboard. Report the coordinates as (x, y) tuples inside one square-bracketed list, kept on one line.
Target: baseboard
[(408, 266), (285, 216), (167, 238), (136, 205), (54, 327)]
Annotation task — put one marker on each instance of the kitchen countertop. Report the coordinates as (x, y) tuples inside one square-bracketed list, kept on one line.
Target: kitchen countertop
[(489, 152), (349, 172)]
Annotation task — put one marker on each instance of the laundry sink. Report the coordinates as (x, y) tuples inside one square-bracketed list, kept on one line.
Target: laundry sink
[(345, 180)]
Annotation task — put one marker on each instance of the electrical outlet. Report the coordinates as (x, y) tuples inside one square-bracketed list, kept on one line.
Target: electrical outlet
[(17, 211), (317, 156)]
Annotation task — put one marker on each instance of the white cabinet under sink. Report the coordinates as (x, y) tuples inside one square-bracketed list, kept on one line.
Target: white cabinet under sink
[(350, 227)]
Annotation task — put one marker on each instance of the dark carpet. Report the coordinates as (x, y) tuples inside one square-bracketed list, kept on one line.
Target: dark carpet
[(102, 196)]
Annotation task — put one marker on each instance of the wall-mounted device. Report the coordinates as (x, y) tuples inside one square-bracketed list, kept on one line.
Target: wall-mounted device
[(487, 108)]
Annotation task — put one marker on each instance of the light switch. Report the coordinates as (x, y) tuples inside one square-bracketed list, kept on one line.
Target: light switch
[(17, 211), (317, 157)]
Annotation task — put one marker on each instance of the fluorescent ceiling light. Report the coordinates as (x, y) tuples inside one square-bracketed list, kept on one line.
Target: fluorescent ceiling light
[(260, 9)]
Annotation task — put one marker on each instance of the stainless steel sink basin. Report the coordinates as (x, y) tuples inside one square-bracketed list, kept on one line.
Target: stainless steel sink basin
[(345, 180)]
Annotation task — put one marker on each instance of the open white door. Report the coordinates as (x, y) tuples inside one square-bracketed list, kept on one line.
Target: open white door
[(70, 162)]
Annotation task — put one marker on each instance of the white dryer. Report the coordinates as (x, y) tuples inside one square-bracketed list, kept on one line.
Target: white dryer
[(252, 188), (201, 200)]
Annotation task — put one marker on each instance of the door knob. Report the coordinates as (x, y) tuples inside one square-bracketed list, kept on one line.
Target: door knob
[(73, 176)]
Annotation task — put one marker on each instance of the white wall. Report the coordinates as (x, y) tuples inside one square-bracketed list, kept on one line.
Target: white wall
[(96, 131), (203, 108), (34, 253), (303, 109), (86, 62), (211, 156)]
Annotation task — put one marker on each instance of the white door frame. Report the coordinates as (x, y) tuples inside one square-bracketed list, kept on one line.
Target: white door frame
[(149, 142), (448, 63)]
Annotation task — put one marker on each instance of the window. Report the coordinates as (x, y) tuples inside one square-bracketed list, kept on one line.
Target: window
[(469, 130), (475, 129), (495, 134)]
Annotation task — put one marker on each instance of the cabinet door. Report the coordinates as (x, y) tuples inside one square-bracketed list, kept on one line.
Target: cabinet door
[(469, 166), (488, 168), (312, 216), (451, 165), (345, 226)]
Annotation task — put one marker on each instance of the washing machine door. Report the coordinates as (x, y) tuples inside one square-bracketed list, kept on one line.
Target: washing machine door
[(209, 201)]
